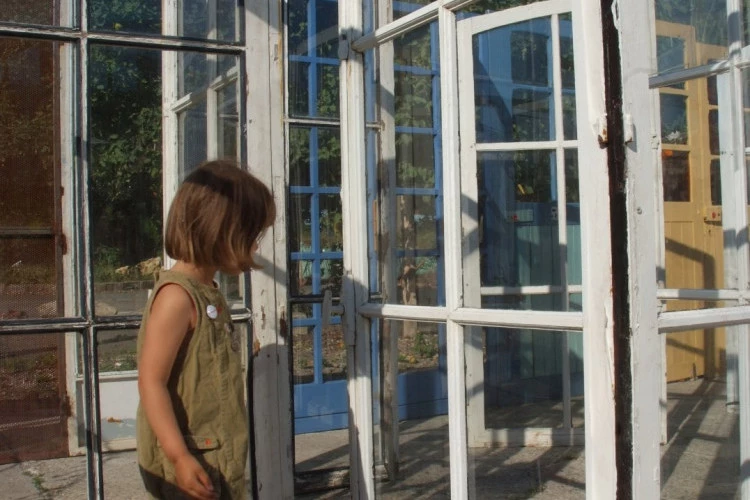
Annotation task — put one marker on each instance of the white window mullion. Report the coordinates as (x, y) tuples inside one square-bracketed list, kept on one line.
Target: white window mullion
[(356, 269), (562, 212), (736, 204), (170, 125), (638, 58), (466, 189), (456, 377), (388, 219), (598, 348)]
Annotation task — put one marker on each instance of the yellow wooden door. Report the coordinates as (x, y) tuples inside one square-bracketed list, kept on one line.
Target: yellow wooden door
[(692, 217)]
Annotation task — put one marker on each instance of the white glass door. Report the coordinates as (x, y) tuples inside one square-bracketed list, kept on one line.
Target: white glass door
[(521, 213)]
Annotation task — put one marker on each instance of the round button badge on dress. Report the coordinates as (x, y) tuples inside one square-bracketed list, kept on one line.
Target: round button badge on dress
[(211, 311)]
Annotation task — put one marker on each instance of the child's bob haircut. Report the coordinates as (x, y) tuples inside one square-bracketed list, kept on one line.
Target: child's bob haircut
[(218, 214)]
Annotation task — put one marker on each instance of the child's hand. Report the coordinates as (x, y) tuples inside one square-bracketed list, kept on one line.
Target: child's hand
[(192, 479)]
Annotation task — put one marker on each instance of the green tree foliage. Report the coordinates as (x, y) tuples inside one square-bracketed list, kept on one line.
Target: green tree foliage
[(134, 16), (125, 144)]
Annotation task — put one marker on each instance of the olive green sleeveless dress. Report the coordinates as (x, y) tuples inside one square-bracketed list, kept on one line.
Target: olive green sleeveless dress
[(207, 390)]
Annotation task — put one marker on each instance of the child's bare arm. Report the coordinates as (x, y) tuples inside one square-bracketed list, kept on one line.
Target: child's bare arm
[(171, 317)]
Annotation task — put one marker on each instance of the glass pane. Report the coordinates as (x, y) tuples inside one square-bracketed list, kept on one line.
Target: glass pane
[(671, 55), (517, 207), (117, 350), (701, 456), (674, 123), (713, 131), (193, 136), (313, 67), (299, 93), (330, 223), (198, 20), (708, 21), (414, 100), (32, 241), (406, 189), (45, 12), (228, 120), (414, 50), (676, 175), (125, 185), (415, 160), (570, 125), (198, 71), (33, 398), (135, 16), (715, 182), (418, 228), (329, 156), (419, 282), (524, 373), (300, 223), (299, 156), (320, 400), (314, 156), (410, 423), (572, 188), (513, 82)]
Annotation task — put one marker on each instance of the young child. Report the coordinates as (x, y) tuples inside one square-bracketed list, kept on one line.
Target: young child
[(192, 427)]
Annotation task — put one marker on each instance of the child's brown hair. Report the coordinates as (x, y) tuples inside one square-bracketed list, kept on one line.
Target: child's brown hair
[(219, 212)]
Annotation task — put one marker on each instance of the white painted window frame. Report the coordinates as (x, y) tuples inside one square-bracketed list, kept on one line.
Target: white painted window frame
[(479, 434), (598, 350)]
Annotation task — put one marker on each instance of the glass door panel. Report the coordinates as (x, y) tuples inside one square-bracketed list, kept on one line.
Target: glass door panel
[(521, 214)]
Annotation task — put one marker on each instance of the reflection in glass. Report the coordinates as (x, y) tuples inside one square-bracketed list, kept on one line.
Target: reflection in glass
[(117, 350), (707, 19), (513, 82), (228, 120), (674, 124), (313, 68), (713, 131), (701, 455), (519, 242), (193, 134), (715, 182), (415, 160), (523, 385), (125, 186), (676, 175), (418, 225), (197, 20), (140, 16), (329, 156), (671, 55), (409, 213), (413, 100), (34, 420), (299, 156), (410, 406), (320, 396), (330, 223), (31, 239)]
